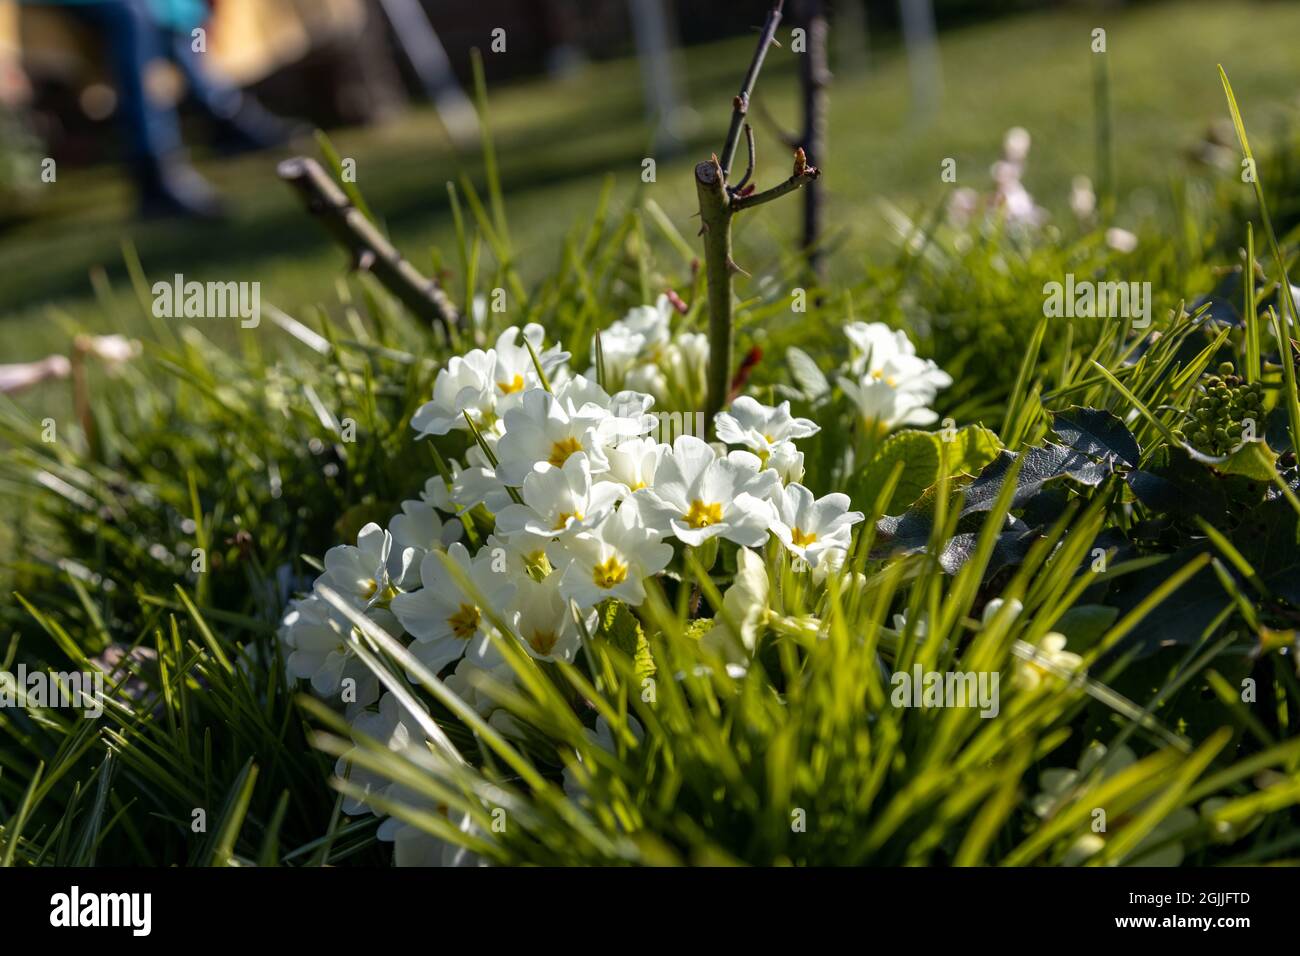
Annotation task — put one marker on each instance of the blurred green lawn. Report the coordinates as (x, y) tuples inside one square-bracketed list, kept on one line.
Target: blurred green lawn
[(558, 140)]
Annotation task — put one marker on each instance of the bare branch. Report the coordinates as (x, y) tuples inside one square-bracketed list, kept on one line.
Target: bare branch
[(803, 174), (749, 139), (740, 105), (369, 249)]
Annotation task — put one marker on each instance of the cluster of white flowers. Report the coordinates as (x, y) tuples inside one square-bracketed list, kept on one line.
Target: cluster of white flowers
[(584, 504), (890, 385), (641, 353)]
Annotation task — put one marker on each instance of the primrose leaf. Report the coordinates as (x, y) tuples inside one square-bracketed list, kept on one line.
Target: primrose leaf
[(971, 450), (919, 453)]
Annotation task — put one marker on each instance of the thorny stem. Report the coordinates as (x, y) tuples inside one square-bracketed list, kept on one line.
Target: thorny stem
[(715, 226), (719, 202)]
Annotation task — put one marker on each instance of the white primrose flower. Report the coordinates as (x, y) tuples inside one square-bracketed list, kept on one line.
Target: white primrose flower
[(441, 617), (542, 429), (635, 338), (786, 461), (872, 344), (391, 725), (697, 495), (544, 619), (362, 572), (686, 363), (744, 606), (612, 559), (486, 383), (482, 661), (623, 415), (761, 427), (558, 502), (887, 399), (437, 493), (888, 382), (633, 464), (467, 384), (831, 561), (679, 369), (316, 640), (514, 370), (477, 483), (413, 846), (1051, 660), (415, 532), (879, 352), (649, 377), (809, 527), (521, 554)]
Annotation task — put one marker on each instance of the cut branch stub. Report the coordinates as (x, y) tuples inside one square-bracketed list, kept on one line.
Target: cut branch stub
[(369, 249)]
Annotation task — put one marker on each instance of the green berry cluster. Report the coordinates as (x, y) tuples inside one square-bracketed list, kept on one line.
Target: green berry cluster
[(1220, 411)]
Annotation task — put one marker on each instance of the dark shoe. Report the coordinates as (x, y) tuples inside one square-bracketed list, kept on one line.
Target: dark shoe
[(175, 189), (253, 128)]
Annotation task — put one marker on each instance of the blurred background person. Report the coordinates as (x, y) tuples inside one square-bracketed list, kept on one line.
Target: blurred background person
[(137, 33)]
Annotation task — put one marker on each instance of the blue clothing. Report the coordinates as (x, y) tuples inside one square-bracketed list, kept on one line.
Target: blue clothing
[(180, 15), (135, 37)]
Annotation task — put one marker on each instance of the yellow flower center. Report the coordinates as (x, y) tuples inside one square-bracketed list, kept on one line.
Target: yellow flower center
[(638, 486), (609, 572), (702, 515), (543, 642), (889, 380), (802, 538), (562, 449), (768, 438), (464, 623), (371, 587), (516, 384), (564, 517)]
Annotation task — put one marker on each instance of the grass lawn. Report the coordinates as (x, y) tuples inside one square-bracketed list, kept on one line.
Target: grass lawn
[(557, 142)]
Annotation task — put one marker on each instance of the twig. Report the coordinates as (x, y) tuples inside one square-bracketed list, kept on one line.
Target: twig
[(749, 170), (740, 105), (802, 175), (366, 244)]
